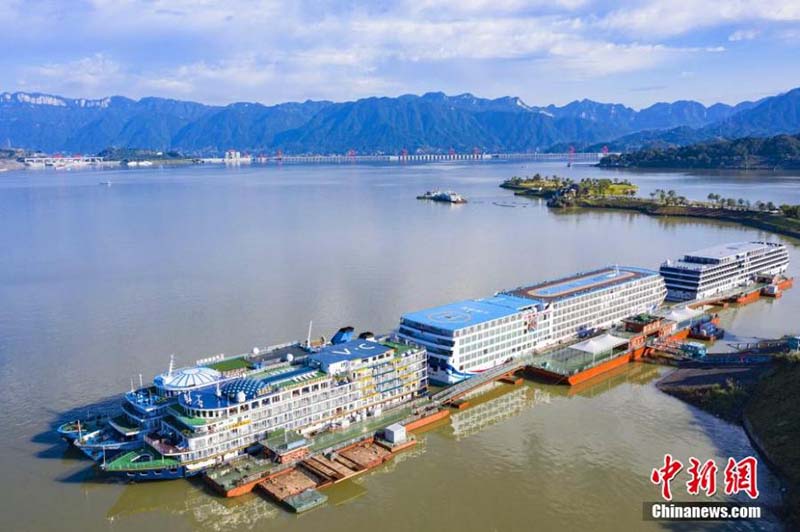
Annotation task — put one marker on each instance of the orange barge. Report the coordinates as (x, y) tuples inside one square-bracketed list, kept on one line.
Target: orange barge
[(246, 473), (595, 356)]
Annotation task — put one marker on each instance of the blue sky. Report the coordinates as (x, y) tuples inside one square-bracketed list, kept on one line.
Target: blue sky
[(632, 52)]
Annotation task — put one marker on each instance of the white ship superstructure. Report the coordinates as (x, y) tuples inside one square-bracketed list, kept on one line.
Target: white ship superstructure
[(468, 337), (712, 271), (333, 386)]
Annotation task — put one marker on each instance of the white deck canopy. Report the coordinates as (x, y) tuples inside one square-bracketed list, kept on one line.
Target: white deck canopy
[(680, 314), (599, 344)]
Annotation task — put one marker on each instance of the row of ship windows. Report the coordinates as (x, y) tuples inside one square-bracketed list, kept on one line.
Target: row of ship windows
[(750, 255), (259, 405), (256, 403), (307, 415), (491, 340), (494, 351), (724, 282), (499, 355), (728, 267), (591, 296), (485, 325), (491, 333), (623, 303), (621, 296), (272, 418), (602, 316), (722, 276)]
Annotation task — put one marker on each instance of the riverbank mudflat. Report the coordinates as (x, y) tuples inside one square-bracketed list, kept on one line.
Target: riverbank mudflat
[(759, 399)]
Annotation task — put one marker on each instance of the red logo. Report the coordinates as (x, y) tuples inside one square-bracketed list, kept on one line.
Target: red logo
[(703, 477), (665, 474), (740, 476)]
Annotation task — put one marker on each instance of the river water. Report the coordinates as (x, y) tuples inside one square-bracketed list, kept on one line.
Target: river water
[(101, 283)]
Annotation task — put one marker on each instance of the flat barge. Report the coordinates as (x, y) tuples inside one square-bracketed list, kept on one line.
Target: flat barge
[(291, 464)]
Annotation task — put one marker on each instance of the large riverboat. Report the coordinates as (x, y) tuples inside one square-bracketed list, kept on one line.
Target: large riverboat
[(193, 418), (468, 337), (719, 269)]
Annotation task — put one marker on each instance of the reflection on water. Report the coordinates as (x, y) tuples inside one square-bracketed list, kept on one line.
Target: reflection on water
[(485, 413), (195, 504), (99, 284)]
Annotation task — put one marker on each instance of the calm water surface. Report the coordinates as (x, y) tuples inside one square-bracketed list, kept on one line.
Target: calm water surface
[(99, 284)]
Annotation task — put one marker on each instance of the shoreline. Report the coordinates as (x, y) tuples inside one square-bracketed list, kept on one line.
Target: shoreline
[(764, 221), (745, 397)]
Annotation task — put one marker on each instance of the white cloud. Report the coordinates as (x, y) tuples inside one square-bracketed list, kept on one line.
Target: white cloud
[(86, 75), (743, 35), (663, 18), (272, 50)]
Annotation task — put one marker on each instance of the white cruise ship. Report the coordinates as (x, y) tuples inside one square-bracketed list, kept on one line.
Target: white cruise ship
[(195, 417), (708, 272), (471, 336)]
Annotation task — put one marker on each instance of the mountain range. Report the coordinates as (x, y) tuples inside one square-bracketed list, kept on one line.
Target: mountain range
[(432, 122)]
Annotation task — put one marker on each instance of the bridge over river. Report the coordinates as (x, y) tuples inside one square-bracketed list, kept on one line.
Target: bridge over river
[(575, 157)]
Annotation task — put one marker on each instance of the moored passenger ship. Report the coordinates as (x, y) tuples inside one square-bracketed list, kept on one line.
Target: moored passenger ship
[(471, 336), (193, 418), (715, 270)]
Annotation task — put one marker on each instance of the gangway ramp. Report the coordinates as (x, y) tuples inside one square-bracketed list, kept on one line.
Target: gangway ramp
[(455, 391)]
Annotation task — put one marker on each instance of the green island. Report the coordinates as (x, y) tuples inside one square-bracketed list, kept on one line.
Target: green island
[(550, 186), (755, 398), (781, 152), (781, 219), (162, 158)]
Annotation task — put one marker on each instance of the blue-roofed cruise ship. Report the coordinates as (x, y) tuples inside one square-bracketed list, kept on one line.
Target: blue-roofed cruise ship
[(199, 416), (471, 336)]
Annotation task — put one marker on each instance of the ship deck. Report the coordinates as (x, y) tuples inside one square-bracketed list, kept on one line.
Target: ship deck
[(140, 460), (568, 361), (579, 283)]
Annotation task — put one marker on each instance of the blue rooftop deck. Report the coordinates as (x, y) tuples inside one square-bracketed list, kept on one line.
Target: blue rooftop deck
[(352, 350), (467, 313), (206, 398), (582, 283)]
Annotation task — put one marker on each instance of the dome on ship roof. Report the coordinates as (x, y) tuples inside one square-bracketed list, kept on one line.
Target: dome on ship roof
[(249, 387), (192, 377)]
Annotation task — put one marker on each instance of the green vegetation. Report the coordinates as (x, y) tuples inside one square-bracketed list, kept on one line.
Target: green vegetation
[(763, 401), (774, 422), (724, 401), (555, 186), (536, 183), (230, 364), (779, 152), (399, 349), (784, 219), (182, 416)]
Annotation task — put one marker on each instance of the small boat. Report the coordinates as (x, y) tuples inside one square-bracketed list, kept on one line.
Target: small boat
[(78, 428), (106, 183), (105, 441), (444, 196)]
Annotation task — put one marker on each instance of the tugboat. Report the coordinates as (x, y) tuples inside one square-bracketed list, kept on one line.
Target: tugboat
[(443, 196)]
